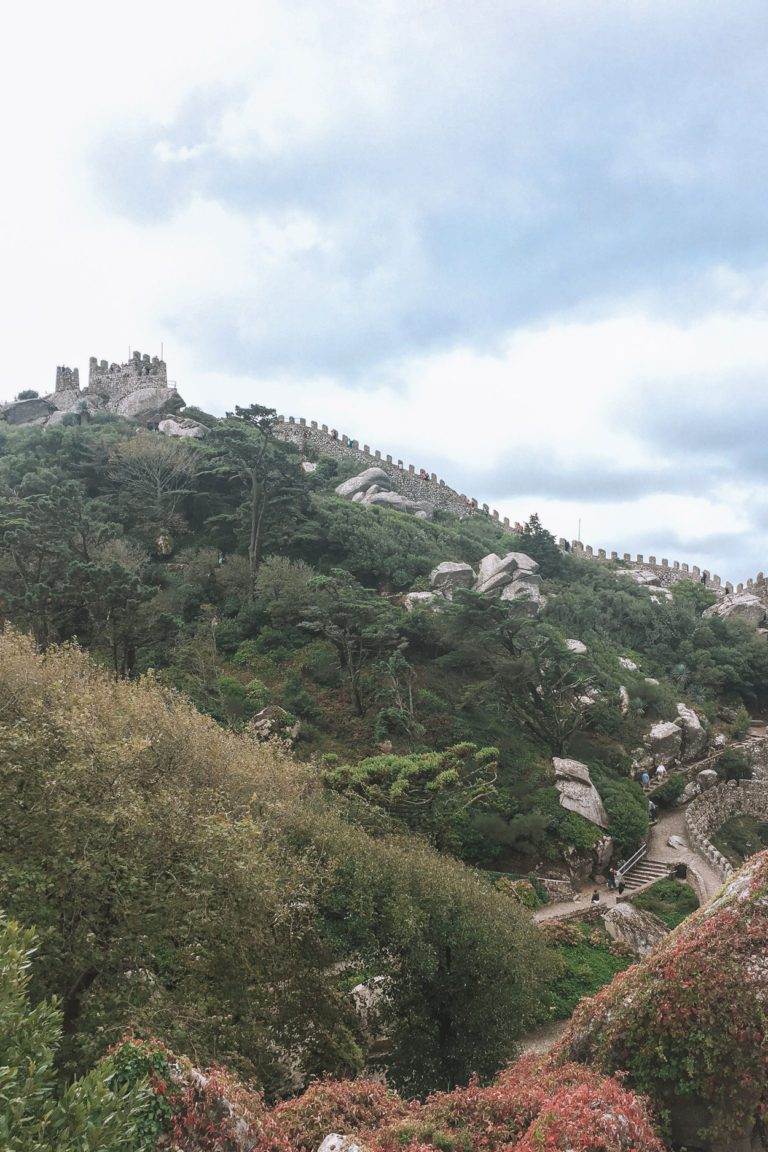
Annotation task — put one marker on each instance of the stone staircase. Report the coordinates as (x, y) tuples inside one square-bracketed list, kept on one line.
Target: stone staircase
[(645, 872)]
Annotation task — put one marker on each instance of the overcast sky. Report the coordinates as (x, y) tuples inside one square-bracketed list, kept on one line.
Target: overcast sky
[(523, 245)]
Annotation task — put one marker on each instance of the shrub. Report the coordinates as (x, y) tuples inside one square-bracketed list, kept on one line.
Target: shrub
[(28, 394), (36, 1112), (667, 794), (671, 901), (733, 765)]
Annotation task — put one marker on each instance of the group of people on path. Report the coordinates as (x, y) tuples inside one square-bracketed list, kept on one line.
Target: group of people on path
[(659, 775), (615, 884)]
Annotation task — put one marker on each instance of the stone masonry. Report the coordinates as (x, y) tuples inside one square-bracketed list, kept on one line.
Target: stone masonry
[(416, 484), (708, 812)]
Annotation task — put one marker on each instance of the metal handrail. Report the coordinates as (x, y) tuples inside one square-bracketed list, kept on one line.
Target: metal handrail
[(628, 865)]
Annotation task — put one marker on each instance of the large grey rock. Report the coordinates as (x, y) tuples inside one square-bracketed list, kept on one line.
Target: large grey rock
[(695, 737), (495, 571), (740, 606), (640, 931), (363, 481), (179, 426), (665, 740), (707, 779), (399, 503), (525, 594), (624, 702), (690, 792), (146, 403), (627, 664), (449, 576), (577, 792), (27, 411), (578, 647)]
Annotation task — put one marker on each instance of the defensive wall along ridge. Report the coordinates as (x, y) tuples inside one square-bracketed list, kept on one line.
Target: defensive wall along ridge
[(420, 484)]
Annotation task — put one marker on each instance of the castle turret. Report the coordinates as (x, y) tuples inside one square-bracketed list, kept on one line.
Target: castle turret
[(67, 379)]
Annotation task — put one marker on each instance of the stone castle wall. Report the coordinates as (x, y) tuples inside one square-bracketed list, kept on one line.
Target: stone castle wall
[(415, 483), (708, 812), (116, 381), (668, 572)]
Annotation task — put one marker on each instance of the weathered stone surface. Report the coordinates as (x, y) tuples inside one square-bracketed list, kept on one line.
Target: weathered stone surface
[(362, 482), (741, 606), (677, 843), (449, 576), (640, 931), (690, 792), (495, 572), (644, 576), (399, 503), (665, 740), (707, 778), (145, 403), (522, 592), (179, 426), (577, 792), (576, 646), (487, 567), (623, 700), (308, 466), (694, 733), (651, 680), (720, 740), (27, 411), (628, 664), (335, 1142)]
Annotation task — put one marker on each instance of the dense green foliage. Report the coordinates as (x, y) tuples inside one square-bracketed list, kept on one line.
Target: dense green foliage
[(588, 960), (247, 583), (196, 883), (670, 900), (37, 1114)]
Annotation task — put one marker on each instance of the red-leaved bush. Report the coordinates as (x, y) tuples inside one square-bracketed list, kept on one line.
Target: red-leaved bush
[(688, 1024), (534, 1105)]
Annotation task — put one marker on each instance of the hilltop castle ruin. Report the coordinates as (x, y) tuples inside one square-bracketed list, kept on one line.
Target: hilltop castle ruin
[(137, 390)]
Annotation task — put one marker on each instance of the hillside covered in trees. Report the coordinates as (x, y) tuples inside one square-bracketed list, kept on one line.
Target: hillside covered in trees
[(241, 776)]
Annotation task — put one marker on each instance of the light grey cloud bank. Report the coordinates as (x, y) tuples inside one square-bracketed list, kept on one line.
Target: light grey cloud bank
[(525, 245)]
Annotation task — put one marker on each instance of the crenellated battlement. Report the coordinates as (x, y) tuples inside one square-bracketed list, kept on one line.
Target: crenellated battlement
[(416, 483), (668, 572), (67, 379), (114, 380)]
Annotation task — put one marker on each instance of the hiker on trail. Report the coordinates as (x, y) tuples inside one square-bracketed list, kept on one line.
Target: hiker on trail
[(595, 897), (652, 811), (612, 878), (620, 888), (645, 779), (660, 772)]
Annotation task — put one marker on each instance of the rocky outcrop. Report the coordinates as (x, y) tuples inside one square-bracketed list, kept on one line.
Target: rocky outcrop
[(665, 741), (374, 487), (137, 390), (335, 1142), (577, 792), (578, 647), (449, 576), (695, 738), (627, 664), (639, 931), (739, 606), (179, 426)]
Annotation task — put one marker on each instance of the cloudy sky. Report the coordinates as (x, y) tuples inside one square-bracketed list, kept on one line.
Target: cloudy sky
[(523, 245)]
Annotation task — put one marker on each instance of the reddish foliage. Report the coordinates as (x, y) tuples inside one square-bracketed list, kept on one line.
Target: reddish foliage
[(531, 1096), (299, 1125), (689, 1022)]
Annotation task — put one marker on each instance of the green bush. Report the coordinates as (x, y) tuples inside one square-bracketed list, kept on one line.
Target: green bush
[(37, 1112), (670, 900), (668, 793)]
